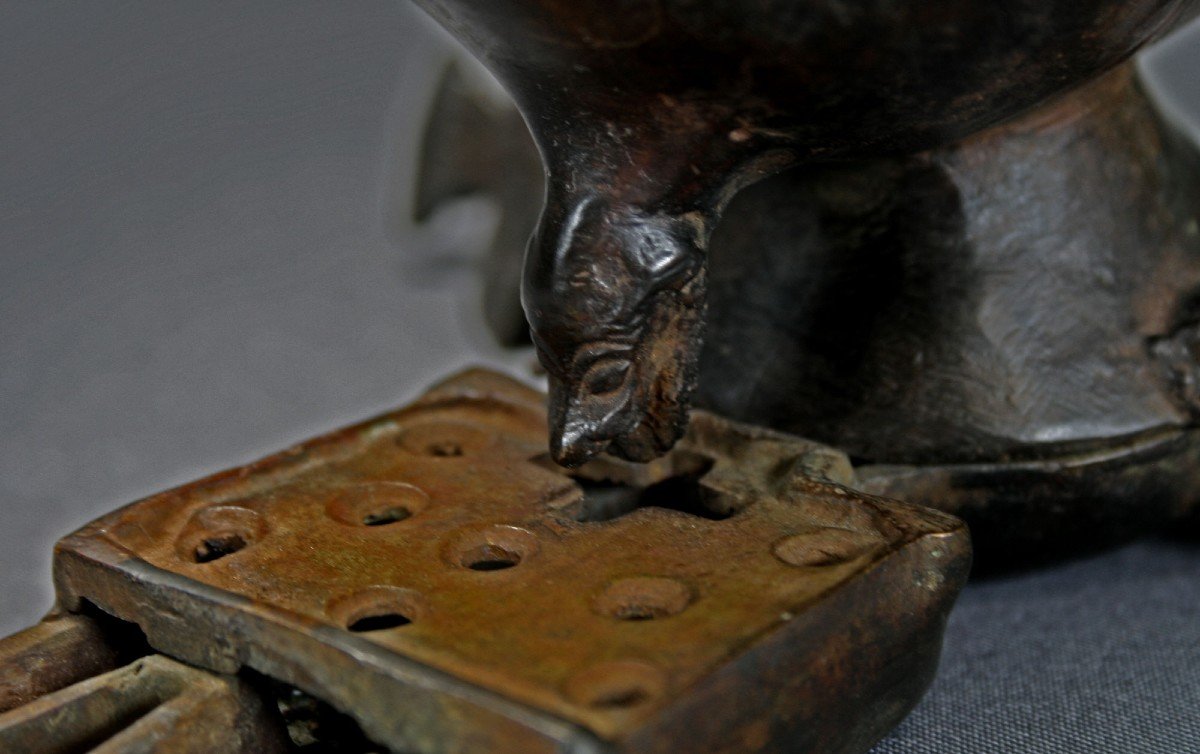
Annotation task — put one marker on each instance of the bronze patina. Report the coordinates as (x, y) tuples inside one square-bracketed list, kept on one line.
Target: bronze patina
[(1003, 327), (650, 116), (969, 266)]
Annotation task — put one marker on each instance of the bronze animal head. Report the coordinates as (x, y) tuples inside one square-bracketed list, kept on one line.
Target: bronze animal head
[(614, 297)]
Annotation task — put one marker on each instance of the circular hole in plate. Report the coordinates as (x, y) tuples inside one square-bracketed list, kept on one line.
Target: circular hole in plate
[(376, 608), (643, 598), (387, 516), (218, 531), (617, 685), (825, 547), (217, 546), (445, 439), (376, 504), (490, 558), (491, 548), (379, 622)]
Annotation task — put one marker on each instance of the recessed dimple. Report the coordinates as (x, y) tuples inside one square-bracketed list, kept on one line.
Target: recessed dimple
[(607, 498), (376, 608), (490, 558), (616, 686), (825, 547), (217, 546), (643, 598)]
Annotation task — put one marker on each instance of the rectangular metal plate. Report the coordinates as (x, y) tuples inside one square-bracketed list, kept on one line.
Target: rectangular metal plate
[(431, 574)]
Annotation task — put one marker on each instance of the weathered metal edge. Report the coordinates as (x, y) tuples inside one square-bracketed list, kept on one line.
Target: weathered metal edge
[(443, 711), (1001, 498), (908, 648), (438, 721)]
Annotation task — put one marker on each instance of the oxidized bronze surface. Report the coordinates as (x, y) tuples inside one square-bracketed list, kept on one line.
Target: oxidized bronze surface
[(998, 328), (434, 575), (650, 116), (1002, 328)]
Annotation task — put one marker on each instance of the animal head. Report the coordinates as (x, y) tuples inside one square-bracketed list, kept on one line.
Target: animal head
[(614, 297)]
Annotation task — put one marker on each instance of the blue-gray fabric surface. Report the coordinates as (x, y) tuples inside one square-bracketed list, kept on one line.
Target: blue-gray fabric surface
[(204, 257), (1100, 655)]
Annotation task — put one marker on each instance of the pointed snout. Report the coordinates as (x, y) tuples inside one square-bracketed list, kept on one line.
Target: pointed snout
[(614, 297), (580, 426), (633, 423), (571, 446)]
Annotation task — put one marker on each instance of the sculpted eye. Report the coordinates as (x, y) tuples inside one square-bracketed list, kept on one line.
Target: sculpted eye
[(606, 376)]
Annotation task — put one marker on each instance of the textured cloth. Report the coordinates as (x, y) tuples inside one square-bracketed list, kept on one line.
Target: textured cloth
[(203, 259), (1101, 655)]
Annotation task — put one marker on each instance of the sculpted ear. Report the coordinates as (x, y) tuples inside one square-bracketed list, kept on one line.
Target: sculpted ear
[(662, 248)]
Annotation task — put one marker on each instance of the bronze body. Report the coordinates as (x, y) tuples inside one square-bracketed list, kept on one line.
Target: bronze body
[(1002, 327), (650, 116), (991, 309)]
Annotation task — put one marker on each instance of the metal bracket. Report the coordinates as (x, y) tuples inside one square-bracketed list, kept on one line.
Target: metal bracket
[(152, 704)]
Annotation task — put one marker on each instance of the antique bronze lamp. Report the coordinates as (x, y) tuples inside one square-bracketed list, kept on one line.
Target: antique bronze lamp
[(966, 268)]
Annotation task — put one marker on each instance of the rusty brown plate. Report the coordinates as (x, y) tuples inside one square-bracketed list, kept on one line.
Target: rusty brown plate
[(432, 574)]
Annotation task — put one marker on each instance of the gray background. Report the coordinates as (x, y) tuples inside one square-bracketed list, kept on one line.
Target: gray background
[(204, 256)]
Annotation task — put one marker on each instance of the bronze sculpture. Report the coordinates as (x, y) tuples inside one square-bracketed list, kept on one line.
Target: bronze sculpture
[(995, 326), (436, 576), (650, 116)]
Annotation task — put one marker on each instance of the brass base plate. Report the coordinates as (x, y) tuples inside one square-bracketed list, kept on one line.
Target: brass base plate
[(431, 574)]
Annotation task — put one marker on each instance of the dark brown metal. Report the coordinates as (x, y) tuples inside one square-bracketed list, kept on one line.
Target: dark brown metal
[(432, 574), (996, 328), (651, 115), (996, 299), (55, 653), (1003, 328)]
